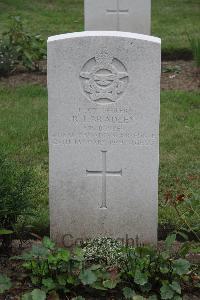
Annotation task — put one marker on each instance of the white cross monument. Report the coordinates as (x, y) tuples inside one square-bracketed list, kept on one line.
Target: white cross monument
[(118, 15)]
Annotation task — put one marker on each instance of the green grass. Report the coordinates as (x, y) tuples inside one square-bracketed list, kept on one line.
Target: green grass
[(171, 19), (23, 131)]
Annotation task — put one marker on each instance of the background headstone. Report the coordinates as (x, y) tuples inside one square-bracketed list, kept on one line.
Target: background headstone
[(120, 15), (104, 90)]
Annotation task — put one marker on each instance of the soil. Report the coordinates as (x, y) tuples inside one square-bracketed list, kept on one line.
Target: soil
[(21, 284), (176, 75)]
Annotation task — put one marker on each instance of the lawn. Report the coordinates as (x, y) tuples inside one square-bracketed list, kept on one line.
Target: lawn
[(172, 20), (23, 130)]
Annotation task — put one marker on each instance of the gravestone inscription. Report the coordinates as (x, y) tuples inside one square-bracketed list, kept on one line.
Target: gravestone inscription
[(103, 90), (120, 15)]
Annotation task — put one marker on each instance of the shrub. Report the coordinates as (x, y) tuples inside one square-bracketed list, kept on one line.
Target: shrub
[(153, 273), (17, 188), (144, 271), (19, 47), (7, 57), (55, 269)]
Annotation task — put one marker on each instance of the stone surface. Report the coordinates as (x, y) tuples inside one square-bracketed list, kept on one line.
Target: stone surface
[(104, 90), (122, 15)]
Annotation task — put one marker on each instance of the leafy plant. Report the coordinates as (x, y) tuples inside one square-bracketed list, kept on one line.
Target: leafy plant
[(171, 69), (195, 45), (19, 47), (187, 208), (145, 272), (36, 294), (5, 283), (56, 269), (8, 57), (148, 270), (17, 188)]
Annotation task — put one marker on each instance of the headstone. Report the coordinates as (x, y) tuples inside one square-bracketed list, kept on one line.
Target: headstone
[(120, 15), (104, 90)]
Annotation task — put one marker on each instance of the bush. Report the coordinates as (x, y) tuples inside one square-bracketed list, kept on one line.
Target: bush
[(7, 58), (20, 48), (144, 271), (17, 188)]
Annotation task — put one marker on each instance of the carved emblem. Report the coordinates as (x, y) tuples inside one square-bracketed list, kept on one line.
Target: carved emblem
[(104, 78)]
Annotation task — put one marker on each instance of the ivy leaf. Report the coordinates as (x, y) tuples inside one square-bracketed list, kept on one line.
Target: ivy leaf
[(164, 269), (38, 294), (166, 292), (35, 295), (79, 254), (128, 293), (64, 255), (181, 266), (35, 280), (61, 280), (38, 250), (87, 277), (27, 296), (48, 283), (137, 297), (47, 243), (176, 287), (98, 285), (5, 283), (140, 278), (78, 298), (110, 283), (169, 241)]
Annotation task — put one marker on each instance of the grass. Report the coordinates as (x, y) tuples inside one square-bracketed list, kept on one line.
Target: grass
[(23, 131), (171, 19)]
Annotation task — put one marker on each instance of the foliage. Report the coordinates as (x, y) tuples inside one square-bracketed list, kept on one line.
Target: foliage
[(5, 283), (18, 47), (17, 188), (187, 208), (147, 270), (36, 294), (56, 269), (8, 57), (195, 46)]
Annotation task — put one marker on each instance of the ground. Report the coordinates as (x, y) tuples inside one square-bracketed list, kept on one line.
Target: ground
[(176, 75)]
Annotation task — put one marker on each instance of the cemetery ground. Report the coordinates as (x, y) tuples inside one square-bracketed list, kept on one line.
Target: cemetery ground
[(23, 132)]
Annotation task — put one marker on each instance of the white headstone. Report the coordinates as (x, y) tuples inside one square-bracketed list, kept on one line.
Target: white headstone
[(104, 90), (120, 15)]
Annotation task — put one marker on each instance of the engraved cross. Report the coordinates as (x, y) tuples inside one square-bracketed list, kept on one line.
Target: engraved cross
[(104, 173), (118, 12)]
